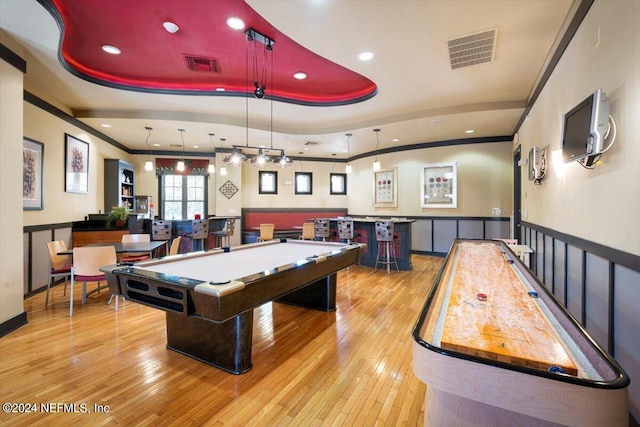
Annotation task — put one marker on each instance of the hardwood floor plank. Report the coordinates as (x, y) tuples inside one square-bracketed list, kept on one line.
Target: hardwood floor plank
[(347, 368)]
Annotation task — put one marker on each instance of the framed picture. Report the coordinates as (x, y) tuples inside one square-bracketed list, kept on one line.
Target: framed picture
[(32, 174), (304, 183), (267, 182), (439, 186), (385, 188), (338, 183), (76, 165)]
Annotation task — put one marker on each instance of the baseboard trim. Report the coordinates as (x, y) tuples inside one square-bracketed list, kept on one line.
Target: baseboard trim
[(13, 324)]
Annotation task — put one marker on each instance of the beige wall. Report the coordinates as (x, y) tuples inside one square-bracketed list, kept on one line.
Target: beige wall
[(600, 205), (11, 257)]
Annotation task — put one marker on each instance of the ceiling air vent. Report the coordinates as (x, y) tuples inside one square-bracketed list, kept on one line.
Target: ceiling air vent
[(472, 49), (311, 143), (201, 63)]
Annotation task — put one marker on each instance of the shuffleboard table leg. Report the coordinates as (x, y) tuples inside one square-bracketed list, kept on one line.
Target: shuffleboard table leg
[(225, 345)]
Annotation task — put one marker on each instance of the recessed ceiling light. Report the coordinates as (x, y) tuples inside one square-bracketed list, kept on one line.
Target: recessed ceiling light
[(156, 144), (220, 89), (396, 140), (235, 23), (196, 146), (170, 27), (365, 56), (300, 75), (111, 49), (468, 131), (104, 125)]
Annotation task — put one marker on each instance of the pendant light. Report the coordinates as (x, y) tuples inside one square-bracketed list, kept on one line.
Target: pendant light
[(376, 163), (148, 165), (348, 168), (223, 169), (180, 165), (212, 167)]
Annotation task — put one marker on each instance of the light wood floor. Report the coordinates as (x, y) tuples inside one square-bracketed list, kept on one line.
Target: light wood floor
[(348, 368)]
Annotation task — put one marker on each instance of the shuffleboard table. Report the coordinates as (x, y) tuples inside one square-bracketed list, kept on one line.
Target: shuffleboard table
[(496, 348), (209, 296)]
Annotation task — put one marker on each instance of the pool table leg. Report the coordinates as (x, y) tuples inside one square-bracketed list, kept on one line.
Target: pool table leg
[(319, 295), (225, 345)]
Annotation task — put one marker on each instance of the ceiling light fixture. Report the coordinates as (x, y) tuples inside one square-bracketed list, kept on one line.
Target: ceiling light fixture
[(212, 167), (348, 168), (180, 165), (111, 49), (170, 27), (235, 23), (148, 165), (223, 169), (468, 131), (365, 56), (376, 163), (300, 75), (237, 157)]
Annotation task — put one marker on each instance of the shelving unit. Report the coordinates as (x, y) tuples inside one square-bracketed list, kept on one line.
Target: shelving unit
[(119, 184)]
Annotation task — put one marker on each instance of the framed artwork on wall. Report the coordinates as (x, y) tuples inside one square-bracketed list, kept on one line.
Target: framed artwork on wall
[(385, 188), (338, 183), (304, 183), (267, 182), (32, 174), (439, 186), (76, 165)]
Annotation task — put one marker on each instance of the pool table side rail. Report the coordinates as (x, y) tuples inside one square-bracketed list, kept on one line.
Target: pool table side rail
[(189, 297), (613, 374)]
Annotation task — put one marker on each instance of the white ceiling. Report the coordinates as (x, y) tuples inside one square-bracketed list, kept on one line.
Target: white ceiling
[(420, 98)]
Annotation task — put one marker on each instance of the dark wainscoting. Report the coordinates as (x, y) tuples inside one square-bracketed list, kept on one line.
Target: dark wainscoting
[(36, 256), (433, 235), (599, 286)]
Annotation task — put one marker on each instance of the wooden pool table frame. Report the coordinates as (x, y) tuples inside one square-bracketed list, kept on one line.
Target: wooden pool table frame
[(217, 329)]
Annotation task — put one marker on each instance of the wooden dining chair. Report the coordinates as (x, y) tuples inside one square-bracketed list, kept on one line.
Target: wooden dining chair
[(175, 246), (134, 238), (87, 261), (59, 266), (266, 232), (308, 231)]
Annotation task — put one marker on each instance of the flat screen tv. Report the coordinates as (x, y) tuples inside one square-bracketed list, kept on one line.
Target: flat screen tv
[(584, 128)]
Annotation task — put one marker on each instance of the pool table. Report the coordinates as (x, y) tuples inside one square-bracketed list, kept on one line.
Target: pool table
[(494, 344), (209, 296)]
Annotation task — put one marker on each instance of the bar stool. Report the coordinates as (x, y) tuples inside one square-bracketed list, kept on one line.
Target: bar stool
[(345, 229), (321, 229), (222, 236), (161, 230), (386, 245), (199, 231)]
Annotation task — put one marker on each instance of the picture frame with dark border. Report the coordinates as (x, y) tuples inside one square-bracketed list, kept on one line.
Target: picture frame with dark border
[(303, 183), (338, 183), (32, 175), (76, 165), (267, 182)]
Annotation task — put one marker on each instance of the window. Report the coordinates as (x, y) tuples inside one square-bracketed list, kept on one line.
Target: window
[(268, 182), (304, 183), (183, 196), (338, 183)]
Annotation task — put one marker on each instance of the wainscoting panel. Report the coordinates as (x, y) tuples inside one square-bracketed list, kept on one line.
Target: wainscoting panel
[(444, 233), (596, 298), (575, 291), (560, 272), (470, 229), (36, 255), (421, 235), (599, 286), (497, 229)]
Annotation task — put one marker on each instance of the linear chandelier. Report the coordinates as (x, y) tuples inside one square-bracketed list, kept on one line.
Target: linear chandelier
[(237, 157)]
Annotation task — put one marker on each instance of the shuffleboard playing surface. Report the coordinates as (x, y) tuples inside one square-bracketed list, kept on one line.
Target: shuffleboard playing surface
[(508, 325)]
